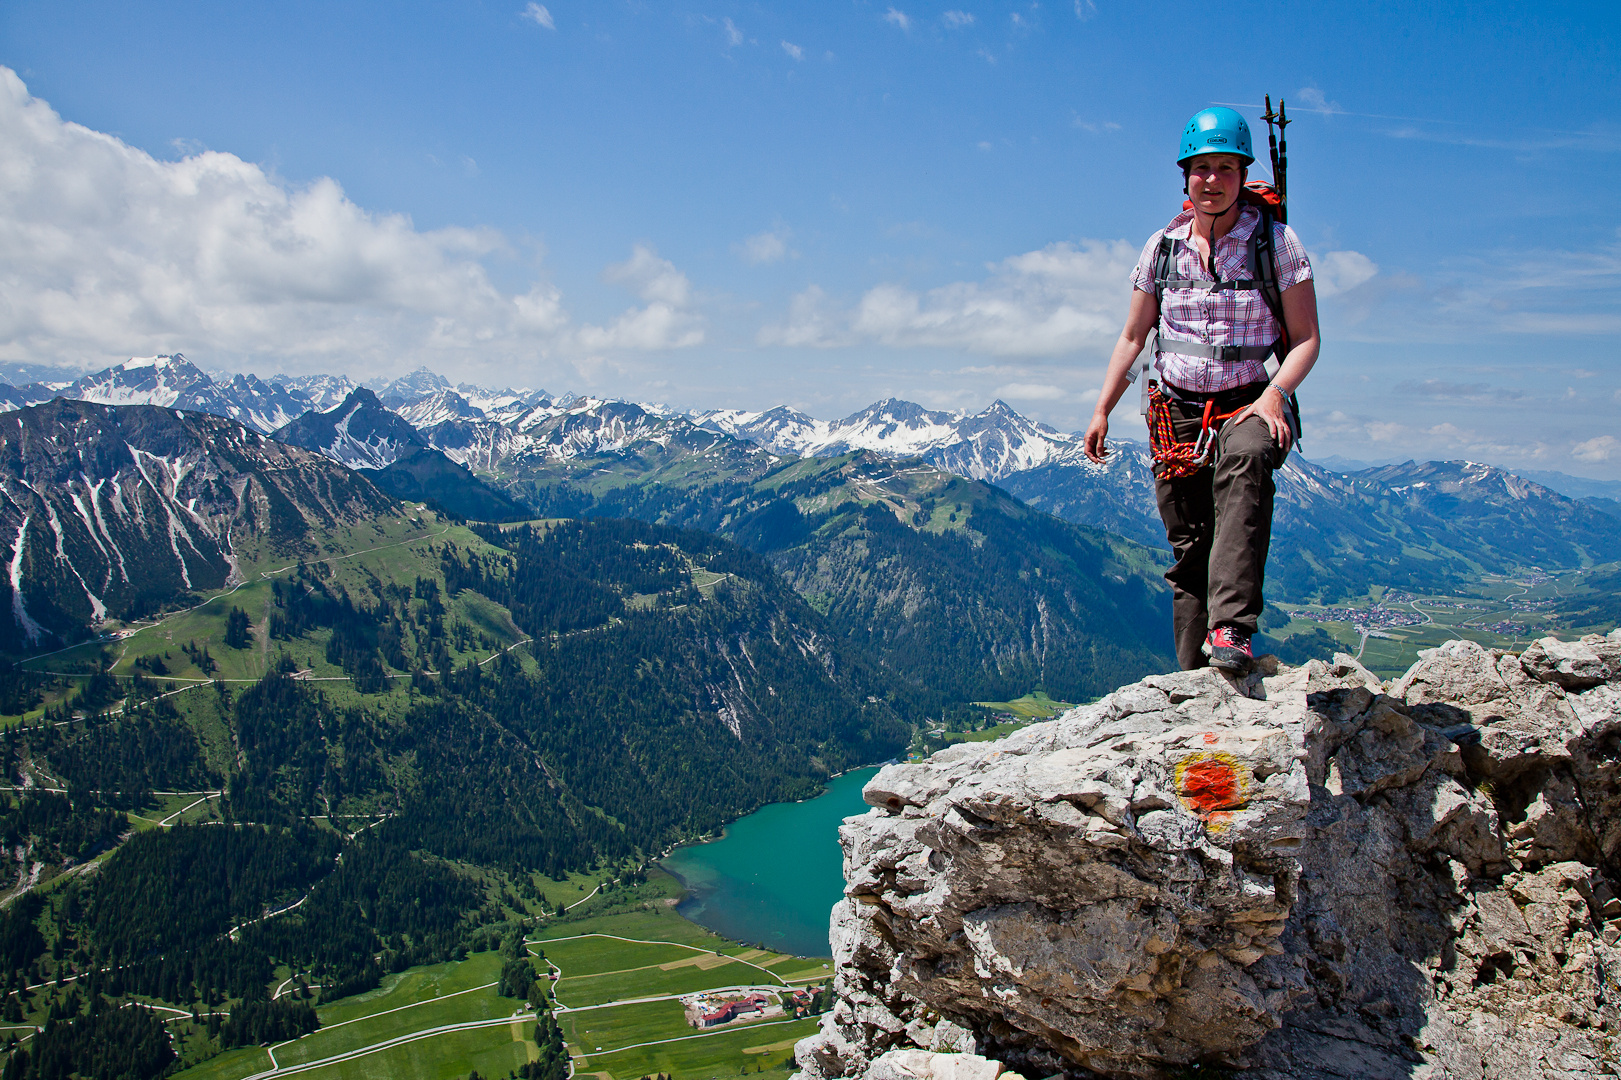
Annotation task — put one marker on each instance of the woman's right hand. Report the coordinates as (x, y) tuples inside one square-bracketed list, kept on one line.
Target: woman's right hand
[(1096, 432)]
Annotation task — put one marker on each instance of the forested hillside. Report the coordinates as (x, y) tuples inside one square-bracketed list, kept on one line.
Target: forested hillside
[(981, 599), (664, 683), (958, 589), (1435, 526)]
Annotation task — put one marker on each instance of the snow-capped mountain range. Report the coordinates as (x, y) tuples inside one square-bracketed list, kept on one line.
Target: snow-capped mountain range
[(173, 382), (987, 445), (479, 427), (511, 430), (359, 433), (463, 419), (499, 454), (423, 397)]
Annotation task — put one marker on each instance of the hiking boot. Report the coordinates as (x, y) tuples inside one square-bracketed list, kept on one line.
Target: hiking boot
[(1229, 649)]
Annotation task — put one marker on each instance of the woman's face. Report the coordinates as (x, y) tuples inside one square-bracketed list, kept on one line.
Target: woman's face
[(1214, 181)]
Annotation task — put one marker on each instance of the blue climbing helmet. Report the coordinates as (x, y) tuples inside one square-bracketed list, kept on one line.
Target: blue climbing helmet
[(1216, 130)]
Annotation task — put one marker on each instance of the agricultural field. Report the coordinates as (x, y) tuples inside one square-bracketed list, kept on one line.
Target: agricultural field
[(618, 979), (638, 1036), (987, 721), (1386, 629)]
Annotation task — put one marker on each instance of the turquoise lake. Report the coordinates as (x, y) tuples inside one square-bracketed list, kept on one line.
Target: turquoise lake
[(774, 876)]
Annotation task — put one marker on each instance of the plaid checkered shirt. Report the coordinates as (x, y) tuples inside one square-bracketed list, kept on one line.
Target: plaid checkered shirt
[(1218, 318)]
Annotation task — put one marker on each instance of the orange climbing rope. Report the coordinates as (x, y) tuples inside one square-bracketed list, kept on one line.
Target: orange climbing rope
[(1172, 459)]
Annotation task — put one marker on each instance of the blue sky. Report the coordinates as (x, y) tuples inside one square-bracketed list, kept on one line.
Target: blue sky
[(746, 205)]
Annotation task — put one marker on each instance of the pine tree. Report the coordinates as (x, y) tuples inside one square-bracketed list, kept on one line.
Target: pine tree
[(236, 629)]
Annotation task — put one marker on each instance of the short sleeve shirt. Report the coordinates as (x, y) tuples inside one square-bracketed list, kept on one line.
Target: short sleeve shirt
[(1236, 317)]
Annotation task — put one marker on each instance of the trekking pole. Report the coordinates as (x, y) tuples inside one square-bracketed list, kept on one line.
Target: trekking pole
[(1283, 155), (1271, 135)]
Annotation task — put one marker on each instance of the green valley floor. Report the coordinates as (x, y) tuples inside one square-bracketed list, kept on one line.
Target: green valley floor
[(617, 982)]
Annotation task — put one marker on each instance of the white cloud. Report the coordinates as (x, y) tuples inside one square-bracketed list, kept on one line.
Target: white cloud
[(111, 253), (1341, 271), (653, 279), (765, 247), (664, 323), (1031, 392), (898, 18), (537, 14), (1061, 299), (1362, 436), (1314, 101), (793, 50), (955, 20), (734, 36), (1085, 9), (1476, 296), (1600, 448), (813, 321)]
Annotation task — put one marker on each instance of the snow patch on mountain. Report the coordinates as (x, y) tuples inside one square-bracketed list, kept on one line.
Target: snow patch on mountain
[(501, 405), (359, 433), (437, 407), (19, 609), (322, 392)]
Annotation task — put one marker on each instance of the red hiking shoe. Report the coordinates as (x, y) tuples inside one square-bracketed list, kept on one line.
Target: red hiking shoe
[(1229, 649)]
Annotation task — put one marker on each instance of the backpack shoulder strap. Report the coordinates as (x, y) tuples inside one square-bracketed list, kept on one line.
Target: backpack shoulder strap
[(1164, 263), (1263, 256), (1263, 266), (1164, 267)]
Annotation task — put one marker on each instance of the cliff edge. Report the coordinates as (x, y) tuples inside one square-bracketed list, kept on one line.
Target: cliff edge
[(1304, 873)]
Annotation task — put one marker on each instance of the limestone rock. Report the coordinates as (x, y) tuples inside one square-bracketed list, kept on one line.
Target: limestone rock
[(1575, 665), (1297, 874)]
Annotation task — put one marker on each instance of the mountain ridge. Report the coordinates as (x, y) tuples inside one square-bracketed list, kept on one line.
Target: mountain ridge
[(119, 509), (1390, 525)]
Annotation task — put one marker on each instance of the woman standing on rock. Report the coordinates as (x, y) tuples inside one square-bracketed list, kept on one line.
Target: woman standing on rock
[(1225, 296)]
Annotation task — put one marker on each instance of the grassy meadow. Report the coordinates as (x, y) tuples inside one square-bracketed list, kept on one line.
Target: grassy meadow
[(443, 1021)]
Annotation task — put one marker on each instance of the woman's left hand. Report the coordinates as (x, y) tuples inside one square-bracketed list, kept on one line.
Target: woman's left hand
[(1272, 409)]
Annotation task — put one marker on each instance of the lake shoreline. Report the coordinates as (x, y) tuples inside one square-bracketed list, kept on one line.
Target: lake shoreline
[(772, 877)]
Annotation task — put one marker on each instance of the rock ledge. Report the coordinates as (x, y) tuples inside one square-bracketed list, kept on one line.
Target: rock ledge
[(1304, 873)]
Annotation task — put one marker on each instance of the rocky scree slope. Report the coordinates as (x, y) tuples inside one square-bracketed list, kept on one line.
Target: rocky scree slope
[(1305, 873)]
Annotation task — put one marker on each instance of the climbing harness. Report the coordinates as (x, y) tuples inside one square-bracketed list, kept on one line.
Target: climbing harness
[(1174, 459)]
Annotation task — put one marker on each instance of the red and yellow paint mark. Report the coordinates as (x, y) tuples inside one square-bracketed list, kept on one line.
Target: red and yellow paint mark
[(1211, 782)]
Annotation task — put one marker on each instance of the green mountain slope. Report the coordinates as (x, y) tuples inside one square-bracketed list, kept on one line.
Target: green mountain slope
[(426, 475), (115, 511), (1435, 526), (959, 589)]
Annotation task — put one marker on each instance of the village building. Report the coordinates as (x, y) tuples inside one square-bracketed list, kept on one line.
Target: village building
[(713, 1010)]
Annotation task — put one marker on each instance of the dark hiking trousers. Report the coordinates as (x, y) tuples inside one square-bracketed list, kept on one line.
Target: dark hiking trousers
[(1219, 524)]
